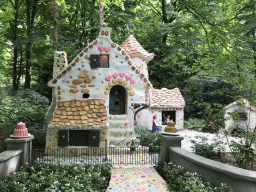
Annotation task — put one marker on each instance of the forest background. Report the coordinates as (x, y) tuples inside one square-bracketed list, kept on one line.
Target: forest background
[(206, 48)]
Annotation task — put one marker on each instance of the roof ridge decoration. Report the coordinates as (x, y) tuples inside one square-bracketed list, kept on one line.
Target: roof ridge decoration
[(104, 32), (134, 49)]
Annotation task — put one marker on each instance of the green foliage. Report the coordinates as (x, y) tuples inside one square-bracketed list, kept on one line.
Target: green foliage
[(27, 106), (40, 139), (59, 177), (6, 129), (195, 123), (244, 154), (149, 139), (203, 148), (179, 180), (213, 126)]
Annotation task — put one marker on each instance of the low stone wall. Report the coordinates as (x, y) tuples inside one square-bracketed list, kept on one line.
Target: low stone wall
[(214, 172), (9, 162)]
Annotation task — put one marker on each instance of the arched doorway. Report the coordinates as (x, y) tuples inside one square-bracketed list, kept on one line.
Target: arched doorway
[(117, 100)]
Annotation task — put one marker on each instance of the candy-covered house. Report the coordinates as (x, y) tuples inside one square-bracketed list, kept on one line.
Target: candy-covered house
[(94, 95), (240, 114)]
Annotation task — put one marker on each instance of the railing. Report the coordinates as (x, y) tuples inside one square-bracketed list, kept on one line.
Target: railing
[(113, 155)]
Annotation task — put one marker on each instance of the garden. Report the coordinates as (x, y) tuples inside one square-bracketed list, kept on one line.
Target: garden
[(205, 48)]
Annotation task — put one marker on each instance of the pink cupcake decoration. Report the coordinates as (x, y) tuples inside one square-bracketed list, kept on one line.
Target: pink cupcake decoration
[(21, 130)]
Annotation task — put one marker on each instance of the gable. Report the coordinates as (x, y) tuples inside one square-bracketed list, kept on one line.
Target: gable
[(99, 60)]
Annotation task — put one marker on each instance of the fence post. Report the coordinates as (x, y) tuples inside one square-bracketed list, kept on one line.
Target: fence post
[(168, 141)]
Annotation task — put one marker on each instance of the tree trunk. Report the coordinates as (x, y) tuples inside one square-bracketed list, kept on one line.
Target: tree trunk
[(15, 51), (254, 49), (30, 26), (18, 79)]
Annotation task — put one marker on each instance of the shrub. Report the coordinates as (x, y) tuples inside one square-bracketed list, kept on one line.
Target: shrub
[(213, 127), (195, 123), (59, 177), (178, 180), (149, 139), (25, 105), (6, 129), (40, 139), (205, 149)]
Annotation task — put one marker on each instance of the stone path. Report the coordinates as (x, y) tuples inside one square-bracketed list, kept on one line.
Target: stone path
[(136, 178)]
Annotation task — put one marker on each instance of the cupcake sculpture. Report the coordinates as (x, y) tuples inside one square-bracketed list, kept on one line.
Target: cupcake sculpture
[(21, 130)]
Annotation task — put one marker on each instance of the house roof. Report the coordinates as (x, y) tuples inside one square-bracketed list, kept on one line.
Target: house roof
[(134, 49), (69, 67), (76, 112), (166, 97), (241, 101)]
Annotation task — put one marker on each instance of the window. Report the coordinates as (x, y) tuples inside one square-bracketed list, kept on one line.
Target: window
[(79, 138), (101, 61), (86, 95)]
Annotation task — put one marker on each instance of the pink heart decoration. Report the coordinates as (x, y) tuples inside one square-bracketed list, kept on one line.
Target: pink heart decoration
[(107, 49), (108, 78), (63, 136), (132, 81), (128, 77), (122, 74), (101, 48), (115, 75)]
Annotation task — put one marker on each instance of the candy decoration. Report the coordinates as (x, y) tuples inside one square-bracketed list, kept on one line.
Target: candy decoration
[(108, 78), (132, 81), (115, 75), (122, 74), (107, 49), (101, 48), (128, 77)]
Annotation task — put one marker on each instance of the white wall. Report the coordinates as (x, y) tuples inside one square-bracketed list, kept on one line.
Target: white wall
[(230, 122)]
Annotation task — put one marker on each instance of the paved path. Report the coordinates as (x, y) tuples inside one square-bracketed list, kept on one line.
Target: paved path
[(136, 178)]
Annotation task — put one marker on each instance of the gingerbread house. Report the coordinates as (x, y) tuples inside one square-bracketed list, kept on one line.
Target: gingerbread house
[(95, 94)]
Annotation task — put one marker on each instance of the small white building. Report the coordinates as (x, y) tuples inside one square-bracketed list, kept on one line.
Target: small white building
[(240, 114), (163, 102)]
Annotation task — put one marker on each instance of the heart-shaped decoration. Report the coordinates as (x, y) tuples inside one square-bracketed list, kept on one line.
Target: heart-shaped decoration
[(108, 78), (101, 48), (122, 74), (128, 77), (115, 75), (63, 136), (132, 81), (107, 49)]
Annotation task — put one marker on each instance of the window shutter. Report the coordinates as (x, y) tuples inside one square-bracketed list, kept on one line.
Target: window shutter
[(94, 138), (95, 61), (63, 137)]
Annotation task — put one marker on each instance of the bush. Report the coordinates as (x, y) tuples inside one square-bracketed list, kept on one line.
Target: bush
[(25, 105), (6, 129), (40, 139), (59, 177), (149, 139), (213, 127), (178, 180), (195, 123), (205, 149)]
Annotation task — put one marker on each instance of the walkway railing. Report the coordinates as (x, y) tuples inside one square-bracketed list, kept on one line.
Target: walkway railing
[(113, 155)]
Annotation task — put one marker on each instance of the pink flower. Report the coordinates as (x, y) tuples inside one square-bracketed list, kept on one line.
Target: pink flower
[(127, 188), (140, 189)]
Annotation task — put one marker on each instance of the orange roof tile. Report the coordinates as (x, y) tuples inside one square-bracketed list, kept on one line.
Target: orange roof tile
[(166, 97), (134, 49)]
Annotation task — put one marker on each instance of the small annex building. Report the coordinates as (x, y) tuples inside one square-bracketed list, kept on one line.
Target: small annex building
[(95, 94), (163, 102), (240, 114)]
